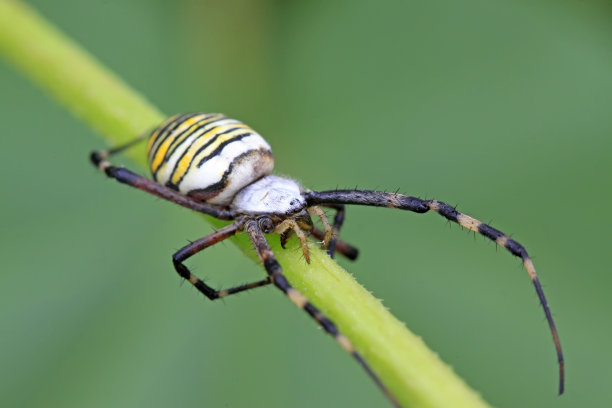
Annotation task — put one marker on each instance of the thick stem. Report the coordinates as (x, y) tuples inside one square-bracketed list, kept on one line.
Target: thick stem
[(411, 371)]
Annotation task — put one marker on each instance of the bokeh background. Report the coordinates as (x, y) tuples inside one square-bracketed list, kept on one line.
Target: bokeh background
[(502, 108)]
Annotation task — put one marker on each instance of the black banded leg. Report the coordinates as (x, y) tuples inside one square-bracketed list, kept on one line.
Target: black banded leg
[(122, 175), (193, 248), (275, 272), (343, 248), (403, 202), (241, 288), (338, 221)]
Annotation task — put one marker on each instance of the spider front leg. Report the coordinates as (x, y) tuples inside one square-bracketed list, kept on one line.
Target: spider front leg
[(201, 244), (275, 273), (417, 205)]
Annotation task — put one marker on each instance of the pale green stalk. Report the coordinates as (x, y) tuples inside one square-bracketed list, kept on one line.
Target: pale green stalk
[(412, 372)]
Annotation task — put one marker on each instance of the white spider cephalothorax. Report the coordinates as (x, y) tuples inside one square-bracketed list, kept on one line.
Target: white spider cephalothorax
[(270, 195)]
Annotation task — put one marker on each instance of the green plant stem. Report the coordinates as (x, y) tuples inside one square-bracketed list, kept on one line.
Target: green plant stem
[(412, 372)]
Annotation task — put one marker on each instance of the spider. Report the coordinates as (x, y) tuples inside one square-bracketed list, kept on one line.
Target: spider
[(219, 166)]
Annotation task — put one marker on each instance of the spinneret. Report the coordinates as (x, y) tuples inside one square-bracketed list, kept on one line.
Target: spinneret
[(221, 167)]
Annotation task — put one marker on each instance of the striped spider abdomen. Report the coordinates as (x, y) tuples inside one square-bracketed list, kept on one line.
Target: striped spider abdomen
[(207, 156)]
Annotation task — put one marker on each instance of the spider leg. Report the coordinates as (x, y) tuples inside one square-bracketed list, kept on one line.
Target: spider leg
[(335, 244), (342, 247), (275, 273), (338, 221), (403, 202), (316, 211), (291, 225), (199, 245), (122, 175)]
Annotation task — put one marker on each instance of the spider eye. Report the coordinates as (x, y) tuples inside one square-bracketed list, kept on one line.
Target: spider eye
[(266, 225)]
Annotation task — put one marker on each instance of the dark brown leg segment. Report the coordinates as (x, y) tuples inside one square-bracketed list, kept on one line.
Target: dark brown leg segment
[(98, 158)]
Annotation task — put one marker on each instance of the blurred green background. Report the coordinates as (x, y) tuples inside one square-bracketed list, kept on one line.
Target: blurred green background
[(503, 108)]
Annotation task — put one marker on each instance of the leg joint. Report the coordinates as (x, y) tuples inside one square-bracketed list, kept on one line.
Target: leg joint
[(181, 269), (272, 266)]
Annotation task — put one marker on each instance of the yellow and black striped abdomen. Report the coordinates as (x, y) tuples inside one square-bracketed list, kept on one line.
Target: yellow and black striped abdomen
[(208, 156)]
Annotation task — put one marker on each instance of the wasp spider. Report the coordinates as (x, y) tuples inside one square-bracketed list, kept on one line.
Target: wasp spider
[(221, 167)]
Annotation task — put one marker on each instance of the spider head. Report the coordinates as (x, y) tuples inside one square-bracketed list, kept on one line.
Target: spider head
[(269, 223), (266, 224), (286, 226)]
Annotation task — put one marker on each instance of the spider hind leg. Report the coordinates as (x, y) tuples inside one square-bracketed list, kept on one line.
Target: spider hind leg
[(99, 159)]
